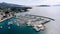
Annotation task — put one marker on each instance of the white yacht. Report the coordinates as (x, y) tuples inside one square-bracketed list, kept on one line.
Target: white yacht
[(9, 27), (9, 23), (17, 24), (1, 27)]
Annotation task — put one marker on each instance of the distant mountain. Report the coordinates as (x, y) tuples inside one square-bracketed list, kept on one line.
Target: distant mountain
[(4, 4), (12, 5), (43, 6), (57, 5)]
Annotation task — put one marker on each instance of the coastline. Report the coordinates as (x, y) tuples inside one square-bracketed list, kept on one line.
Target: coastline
[(6, 18)]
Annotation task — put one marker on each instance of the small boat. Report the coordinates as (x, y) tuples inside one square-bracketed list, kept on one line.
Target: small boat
[(9, 27), (1, 27), (17, 24), (9, 23)]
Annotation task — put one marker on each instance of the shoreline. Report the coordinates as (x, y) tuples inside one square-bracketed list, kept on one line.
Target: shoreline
[(6, 18)]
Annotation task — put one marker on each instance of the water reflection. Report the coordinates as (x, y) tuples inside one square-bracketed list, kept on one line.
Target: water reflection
[(51, 28), (53, 12)]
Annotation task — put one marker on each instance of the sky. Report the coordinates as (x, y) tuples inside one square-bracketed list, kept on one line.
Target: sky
[(32, 2)]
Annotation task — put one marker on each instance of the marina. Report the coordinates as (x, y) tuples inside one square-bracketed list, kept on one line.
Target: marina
[(37, 22), (33, 22)]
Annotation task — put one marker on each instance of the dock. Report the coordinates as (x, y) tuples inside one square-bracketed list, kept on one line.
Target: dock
[(35, 21)]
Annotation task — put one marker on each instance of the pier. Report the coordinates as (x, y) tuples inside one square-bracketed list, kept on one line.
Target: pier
[(35, 21)]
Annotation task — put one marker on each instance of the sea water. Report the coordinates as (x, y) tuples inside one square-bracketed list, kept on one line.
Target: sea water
[(52, 27), (14, 29)]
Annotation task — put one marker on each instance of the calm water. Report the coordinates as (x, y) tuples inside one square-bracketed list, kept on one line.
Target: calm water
[(14, 29), (52, 27)]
